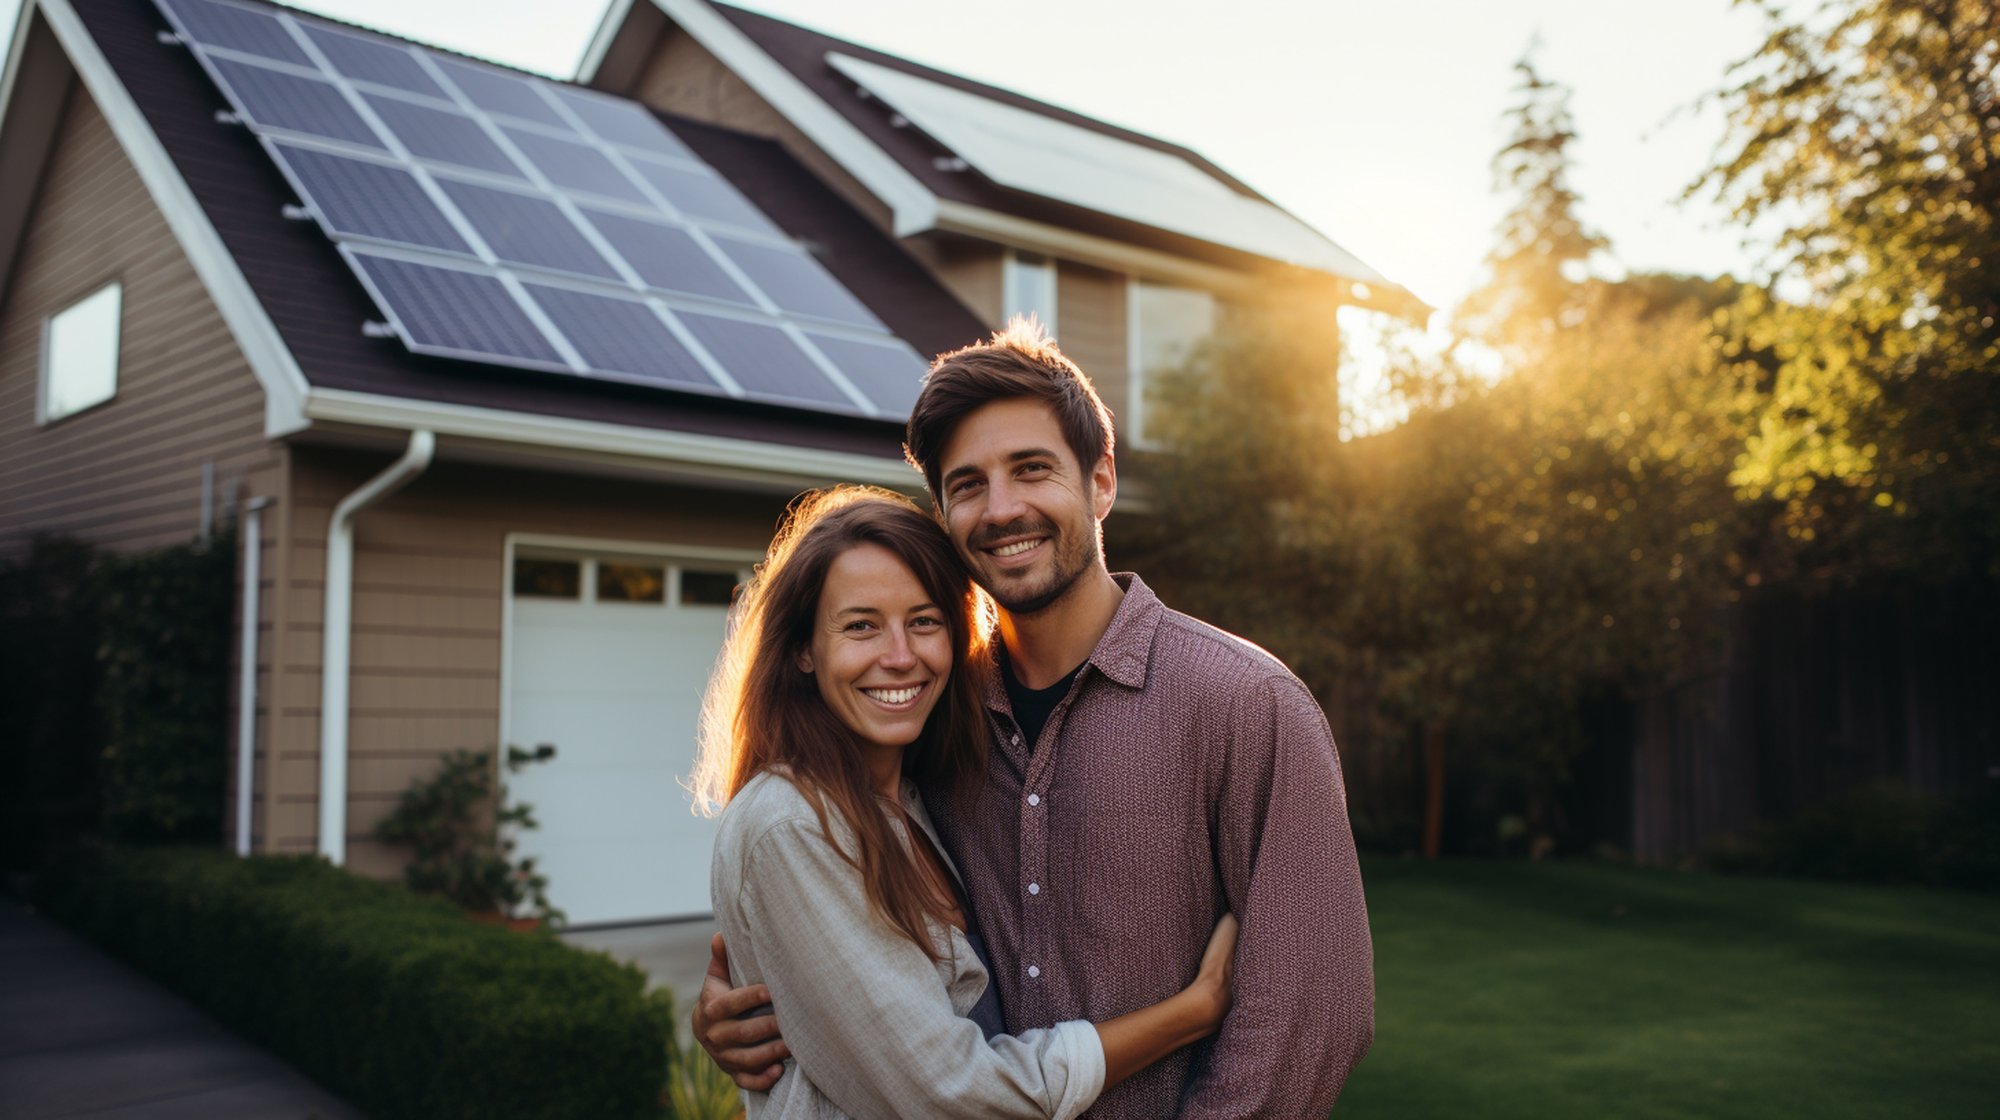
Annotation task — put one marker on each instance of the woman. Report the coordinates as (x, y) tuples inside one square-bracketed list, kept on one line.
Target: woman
[(837, 690)]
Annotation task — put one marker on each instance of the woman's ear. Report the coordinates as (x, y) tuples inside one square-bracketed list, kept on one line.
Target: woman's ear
[(805, 661)]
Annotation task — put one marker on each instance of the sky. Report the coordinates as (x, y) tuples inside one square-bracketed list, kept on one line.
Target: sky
[(1373, 122)]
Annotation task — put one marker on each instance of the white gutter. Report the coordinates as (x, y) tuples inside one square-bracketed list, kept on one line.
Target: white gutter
[(246, 681), (336, 652)]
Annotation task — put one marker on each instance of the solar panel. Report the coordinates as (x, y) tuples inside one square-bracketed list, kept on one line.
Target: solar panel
[(621, 336), (368, 60), (504, 218), (703, 195), (527, 229), (1031, 152), (765, 360), (435, 134), (577, 167), (621, 122), (796, 282), (365, 199), (888, 373), (453, 313), (668, 257), (275, 99), (238, 29), (502, 93)]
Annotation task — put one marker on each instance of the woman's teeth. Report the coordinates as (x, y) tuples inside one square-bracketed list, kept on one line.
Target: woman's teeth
[(894, 695)]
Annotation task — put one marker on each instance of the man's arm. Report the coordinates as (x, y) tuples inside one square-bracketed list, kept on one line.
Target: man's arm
[(1305, 983), (748, 1050)]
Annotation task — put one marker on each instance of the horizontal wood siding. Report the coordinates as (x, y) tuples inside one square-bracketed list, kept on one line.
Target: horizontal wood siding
[(1090, 324), (429, 587), (973, 270), (127, 475)]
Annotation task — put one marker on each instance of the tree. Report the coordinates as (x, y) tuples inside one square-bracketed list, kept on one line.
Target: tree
[(1869, 133)]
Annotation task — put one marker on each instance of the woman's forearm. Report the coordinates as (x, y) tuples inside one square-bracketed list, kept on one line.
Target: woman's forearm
[(1136, 1040)]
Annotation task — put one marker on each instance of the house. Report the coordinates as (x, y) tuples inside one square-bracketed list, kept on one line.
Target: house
[(509, 379)]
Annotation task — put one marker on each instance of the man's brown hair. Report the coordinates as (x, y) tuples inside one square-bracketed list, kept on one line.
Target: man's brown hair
[(1019, 361)]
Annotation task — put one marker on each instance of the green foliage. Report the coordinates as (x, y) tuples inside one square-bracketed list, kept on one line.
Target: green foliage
[(1881, 834), (463, 846), (164, 620), (1869, 135), (51, 737), (697, 1089), (395, 1002)]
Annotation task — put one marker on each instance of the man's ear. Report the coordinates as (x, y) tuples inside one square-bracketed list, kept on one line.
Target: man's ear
[(1103, 487)]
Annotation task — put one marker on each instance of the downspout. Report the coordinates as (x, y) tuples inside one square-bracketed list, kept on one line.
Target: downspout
[(334, 654), (246, 682)]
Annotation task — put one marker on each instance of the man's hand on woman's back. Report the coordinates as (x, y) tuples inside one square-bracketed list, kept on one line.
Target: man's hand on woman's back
[(749, 1049)]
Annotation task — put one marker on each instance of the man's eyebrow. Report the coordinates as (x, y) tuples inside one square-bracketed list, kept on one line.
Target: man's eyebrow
[(1012, 457)]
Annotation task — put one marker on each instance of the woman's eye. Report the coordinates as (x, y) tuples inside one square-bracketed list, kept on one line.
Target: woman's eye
[(926, 622), (855, 627)]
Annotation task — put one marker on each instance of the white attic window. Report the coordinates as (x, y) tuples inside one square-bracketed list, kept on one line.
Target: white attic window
[(80, 354), (1029, 288)]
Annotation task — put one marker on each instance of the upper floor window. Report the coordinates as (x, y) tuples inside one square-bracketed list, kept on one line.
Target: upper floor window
[(1029, 288), (1165, 325), (80, 354)]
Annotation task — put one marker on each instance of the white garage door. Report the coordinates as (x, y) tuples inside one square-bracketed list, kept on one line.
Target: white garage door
[(607, 658)]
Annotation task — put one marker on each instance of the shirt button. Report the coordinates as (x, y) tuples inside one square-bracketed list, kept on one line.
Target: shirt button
[(1034, 888), (1034, 799), (1033, 972)]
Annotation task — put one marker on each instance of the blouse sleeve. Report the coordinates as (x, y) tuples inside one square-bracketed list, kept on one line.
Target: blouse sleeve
[(865, 1013)]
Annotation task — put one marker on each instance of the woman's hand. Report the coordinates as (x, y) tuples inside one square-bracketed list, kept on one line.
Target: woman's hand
[(1215, 980)]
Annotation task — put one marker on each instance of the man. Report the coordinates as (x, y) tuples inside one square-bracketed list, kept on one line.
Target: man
[(1149, 773)]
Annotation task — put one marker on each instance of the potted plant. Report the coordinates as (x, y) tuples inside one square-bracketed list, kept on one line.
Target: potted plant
[(461, 830)]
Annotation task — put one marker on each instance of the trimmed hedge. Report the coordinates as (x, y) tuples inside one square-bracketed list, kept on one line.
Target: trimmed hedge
[(400, 1004), (1883, 833)]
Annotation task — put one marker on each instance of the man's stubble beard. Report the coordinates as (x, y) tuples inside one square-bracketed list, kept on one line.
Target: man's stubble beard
[(1089, 554)]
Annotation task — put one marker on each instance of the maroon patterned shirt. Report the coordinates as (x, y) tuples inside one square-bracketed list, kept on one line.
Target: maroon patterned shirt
[(1187, 774)]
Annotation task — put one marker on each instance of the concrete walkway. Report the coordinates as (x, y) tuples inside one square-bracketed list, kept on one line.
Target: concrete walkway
[(83, 1035)]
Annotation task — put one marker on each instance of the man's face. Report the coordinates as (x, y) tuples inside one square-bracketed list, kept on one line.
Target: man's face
[(1021, 510)]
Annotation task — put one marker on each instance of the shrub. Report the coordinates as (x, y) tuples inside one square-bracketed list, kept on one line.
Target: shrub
[(395, 1002), (460, 833), (1881, 834)]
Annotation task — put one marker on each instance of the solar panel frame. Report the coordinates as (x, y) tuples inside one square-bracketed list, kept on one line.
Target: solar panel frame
[(796, 283), (340, 213), (668, 258), (893, 392), (576, 168), (649, 352), (491, 295), (704, 196), (770, 363), (237, 28), (367, 60), (521, 229), (436, 134), (333, 117), (494, 92)]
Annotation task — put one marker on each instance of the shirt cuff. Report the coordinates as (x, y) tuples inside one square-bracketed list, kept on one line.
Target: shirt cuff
[(1078, 1041)]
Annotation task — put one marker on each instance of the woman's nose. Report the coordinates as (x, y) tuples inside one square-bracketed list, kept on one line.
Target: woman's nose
[(899, 654)]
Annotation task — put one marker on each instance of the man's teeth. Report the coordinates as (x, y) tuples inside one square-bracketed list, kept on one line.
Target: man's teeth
[(894, 695), (1015, 549)]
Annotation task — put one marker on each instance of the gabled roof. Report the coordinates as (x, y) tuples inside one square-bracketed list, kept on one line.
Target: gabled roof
[(298, 309), (929, 181)]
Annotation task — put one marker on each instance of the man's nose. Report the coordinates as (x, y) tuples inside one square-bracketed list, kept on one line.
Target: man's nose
[(1004, 503)]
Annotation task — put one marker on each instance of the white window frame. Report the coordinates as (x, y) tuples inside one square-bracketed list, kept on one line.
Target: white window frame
[(1017, 267), (45, 412), (1135, 361)]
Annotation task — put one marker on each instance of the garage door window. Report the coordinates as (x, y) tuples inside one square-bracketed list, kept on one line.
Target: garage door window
[(701, 588), (547, 579), (631, 583)]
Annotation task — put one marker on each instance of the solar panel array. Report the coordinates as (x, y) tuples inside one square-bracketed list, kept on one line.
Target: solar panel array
[(499, 217)]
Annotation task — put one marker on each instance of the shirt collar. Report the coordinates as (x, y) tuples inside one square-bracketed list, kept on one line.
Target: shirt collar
[(1124, 651)]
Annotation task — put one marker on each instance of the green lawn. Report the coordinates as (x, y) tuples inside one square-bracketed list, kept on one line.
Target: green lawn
[(1557, 990)]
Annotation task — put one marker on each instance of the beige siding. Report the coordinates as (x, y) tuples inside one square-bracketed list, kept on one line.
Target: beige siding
[(429, 587), (684, 78), (127, 475), (1090, 320), (973, 270)]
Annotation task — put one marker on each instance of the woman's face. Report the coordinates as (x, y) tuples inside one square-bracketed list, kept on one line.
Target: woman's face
[(881, 650)]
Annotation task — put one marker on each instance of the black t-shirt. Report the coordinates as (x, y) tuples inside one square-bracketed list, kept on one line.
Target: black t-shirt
[(1033, 706)]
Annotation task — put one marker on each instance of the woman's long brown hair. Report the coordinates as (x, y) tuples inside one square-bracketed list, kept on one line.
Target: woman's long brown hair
[(762, 711)]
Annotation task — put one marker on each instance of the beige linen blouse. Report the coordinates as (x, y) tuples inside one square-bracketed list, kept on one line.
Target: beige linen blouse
[(874, 1026)]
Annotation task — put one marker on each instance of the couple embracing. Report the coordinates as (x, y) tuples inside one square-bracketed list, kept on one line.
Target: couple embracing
[(1091, 854)]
